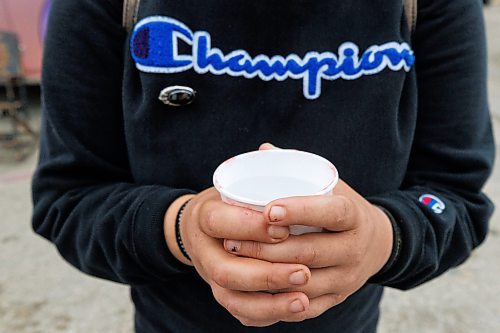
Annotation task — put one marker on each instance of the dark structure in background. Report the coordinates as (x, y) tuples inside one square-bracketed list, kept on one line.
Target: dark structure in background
[(27, 19), (15, 131)]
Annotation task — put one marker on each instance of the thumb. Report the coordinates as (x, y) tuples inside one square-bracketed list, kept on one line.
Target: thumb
[(267, 146)]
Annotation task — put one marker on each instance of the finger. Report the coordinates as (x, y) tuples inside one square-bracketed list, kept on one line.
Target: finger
[(336, 212), (220, 220), (330, 280), (247, 274), (262, 309), (314, 250), (267, 146), (319, 305), (214, 264)]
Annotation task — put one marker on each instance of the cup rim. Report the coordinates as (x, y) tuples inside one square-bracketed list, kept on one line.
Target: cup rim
[(233, 197)]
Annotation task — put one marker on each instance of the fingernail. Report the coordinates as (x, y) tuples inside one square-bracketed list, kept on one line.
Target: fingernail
[(277, 232), (277, 213), (298, 277), (232, 245), (297, 306)]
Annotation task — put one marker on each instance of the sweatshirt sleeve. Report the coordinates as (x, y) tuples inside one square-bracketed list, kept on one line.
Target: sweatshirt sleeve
[(440, 214), (85, 199)]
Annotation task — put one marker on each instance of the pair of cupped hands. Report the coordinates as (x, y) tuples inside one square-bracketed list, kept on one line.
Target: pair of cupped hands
[(261, 274)]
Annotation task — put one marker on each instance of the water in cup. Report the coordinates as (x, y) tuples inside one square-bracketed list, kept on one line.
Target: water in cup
[(269, 188)]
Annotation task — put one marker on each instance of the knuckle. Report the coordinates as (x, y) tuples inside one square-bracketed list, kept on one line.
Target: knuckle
[(194, 217), (200, 207), (345, 211), (271, 282), (235, 310), (218, 294), (339, 299), (334, 299), (308, 255), (222, 297), (245, 321), (221, 277), (209, 221), (256, 250)]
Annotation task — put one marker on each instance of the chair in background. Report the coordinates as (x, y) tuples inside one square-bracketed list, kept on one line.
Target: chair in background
[(14, 126)]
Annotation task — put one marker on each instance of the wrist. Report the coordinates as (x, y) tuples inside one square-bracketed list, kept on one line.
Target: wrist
[(169, 228), (384, 229)]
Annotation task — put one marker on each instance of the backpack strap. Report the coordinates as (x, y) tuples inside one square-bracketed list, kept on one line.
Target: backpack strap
[(130, 9), (411, 14)]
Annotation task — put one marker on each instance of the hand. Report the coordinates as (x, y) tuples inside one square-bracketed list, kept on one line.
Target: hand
[(239, 283), (356, 244)]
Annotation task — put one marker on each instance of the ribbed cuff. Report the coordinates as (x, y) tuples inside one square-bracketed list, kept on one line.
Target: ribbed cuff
[(406, 243), (396, 246), (149, 244)]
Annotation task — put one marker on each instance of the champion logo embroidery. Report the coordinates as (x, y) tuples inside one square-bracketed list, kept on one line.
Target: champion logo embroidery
[(155, 49), (433, 203)]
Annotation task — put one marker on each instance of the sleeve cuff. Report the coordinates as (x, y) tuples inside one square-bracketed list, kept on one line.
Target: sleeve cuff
[(396, 248), (407, 240), (148, 238)]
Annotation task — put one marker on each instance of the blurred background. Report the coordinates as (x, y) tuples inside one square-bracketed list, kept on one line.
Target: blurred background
[(39, 292)]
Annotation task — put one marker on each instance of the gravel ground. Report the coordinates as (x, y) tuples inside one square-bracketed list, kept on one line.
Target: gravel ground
[(39, 292)]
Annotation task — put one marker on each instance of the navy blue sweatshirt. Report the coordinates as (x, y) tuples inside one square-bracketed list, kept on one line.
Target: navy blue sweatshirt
[(403, 117)]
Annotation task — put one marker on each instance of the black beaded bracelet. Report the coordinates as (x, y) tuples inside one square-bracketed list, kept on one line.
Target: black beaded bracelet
[(397, 240), (178, 230)]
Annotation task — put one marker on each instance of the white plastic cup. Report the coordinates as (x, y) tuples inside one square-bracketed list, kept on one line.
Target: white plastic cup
[(254, 179)]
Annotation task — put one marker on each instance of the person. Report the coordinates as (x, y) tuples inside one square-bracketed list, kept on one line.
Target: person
[(135, 123)]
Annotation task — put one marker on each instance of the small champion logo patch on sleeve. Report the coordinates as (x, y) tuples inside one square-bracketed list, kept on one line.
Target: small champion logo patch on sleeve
[(155, 48), (433, 203)]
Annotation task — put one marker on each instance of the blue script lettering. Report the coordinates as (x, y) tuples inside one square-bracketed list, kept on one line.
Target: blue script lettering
[(155, 48)]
